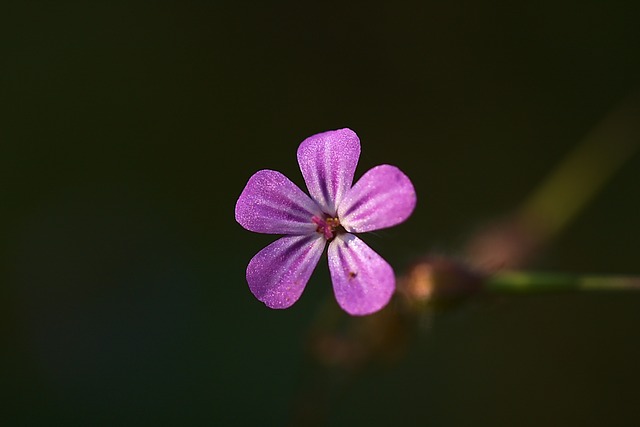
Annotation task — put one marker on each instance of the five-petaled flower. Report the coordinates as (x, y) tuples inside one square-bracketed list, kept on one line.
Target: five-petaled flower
[(363, 282)]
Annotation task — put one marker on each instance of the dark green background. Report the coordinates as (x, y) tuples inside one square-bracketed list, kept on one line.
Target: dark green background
[(128, 130)]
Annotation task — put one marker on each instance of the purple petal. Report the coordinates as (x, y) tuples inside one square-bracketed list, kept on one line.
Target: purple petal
[(328, 161), (272, 204), (383, 197), (278, 273), (363, 281)]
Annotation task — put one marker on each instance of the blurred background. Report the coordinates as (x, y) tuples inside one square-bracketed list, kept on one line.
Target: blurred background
[(129, 129)]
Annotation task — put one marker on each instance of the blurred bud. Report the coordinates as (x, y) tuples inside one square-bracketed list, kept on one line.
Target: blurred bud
[(352, 343), (437, 279)]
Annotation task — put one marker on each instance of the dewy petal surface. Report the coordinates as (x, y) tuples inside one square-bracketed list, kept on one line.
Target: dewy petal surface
[(278, 273), (270, 203), (383, 197), (328, 161), (363, 282)]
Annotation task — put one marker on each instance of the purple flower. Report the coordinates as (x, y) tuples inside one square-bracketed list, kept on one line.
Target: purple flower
[(363, 281)]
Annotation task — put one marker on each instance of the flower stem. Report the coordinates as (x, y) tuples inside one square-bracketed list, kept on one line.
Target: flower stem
[(585, 171), (534, 282)]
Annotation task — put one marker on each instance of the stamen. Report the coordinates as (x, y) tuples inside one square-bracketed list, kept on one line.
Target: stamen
[(317, 221), (326, 226)]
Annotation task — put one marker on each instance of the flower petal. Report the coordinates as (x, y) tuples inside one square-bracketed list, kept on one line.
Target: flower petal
[(278, 273), (270, 203), (363, 281), (383, 197), (328, 161)]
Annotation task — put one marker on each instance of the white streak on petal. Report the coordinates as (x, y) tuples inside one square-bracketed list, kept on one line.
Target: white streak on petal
[(328, 162), (382, 198), (270, 203), (278, 274)]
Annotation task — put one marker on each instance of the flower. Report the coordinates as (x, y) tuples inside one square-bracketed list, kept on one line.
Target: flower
[(363, 282)]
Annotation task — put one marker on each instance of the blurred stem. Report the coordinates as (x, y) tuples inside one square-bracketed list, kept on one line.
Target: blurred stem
[(585, 171), (550, 208), (532, 282)]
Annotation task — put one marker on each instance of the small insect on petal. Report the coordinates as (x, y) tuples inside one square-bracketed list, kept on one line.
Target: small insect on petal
[(363, 281)]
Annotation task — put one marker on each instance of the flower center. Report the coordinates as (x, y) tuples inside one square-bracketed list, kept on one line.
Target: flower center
[(327, 226)]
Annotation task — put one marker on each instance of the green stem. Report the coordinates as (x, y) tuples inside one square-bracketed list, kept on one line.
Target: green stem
[(531, 282)]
